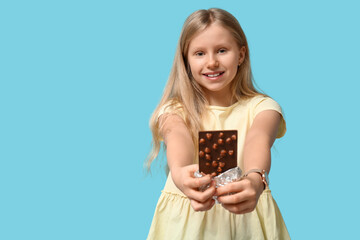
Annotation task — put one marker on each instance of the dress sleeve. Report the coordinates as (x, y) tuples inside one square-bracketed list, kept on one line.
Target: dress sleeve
[(171, 107), (267, 103)]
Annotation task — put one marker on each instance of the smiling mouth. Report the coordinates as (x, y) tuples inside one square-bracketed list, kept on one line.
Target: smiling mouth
[(213, 74)]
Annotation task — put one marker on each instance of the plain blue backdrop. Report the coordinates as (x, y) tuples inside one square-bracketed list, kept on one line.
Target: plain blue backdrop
[(80, 79)]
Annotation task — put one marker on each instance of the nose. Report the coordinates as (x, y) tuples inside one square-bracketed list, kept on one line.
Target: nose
[(213, 61)]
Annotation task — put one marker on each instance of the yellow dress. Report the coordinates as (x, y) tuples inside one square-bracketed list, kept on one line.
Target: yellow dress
[(174, 217)]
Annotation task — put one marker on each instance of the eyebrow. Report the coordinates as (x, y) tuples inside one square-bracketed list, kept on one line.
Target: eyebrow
[(218, 45)]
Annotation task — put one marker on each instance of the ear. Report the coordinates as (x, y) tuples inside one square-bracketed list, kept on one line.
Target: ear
[(242, 55)]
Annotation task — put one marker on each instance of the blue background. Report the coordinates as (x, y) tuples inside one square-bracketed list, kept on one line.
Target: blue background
[(80, 79)]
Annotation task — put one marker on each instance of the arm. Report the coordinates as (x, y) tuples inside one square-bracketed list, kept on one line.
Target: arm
[(259, 140), (180, 153), (257, 154)]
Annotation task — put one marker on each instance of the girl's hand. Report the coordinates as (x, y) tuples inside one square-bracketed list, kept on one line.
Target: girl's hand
[(242, 196), (184, 179)]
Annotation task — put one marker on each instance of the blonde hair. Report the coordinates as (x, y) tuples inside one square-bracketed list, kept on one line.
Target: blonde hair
[(182, 88)]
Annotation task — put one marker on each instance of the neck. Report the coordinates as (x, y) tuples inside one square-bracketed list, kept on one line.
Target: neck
[(220, 98)]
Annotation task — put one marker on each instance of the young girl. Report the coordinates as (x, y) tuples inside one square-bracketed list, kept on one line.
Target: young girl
[(210, 88)]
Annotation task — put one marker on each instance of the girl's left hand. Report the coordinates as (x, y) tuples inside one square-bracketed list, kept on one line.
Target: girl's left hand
[(242, 196)]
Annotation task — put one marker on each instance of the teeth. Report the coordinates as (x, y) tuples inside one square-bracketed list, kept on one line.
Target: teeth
[(213, 75)]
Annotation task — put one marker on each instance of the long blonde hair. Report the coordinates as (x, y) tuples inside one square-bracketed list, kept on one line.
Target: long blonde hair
[(182, 89)]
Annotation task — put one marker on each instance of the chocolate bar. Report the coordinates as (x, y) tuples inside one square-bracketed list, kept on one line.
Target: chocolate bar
[(217, 151)]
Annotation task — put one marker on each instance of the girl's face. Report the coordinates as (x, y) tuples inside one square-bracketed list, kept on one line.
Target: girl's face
[(214, 57)]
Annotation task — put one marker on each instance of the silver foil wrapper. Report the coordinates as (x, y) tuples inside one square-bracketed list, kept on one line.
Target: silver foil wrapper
[(231, 175)]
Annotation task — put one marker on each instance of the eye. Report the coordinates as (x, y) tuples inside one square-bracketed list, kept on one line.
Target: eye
[(199, 54), (222, 50)]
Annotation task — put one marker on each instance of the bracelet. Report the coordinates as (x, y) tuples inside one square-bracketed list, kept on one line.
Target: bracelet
[(263, 174)]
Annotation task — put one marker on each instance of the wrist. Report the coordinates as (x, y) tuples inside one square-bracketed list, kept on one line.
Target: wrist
[(256, 181), (259, 175), (175, 173)]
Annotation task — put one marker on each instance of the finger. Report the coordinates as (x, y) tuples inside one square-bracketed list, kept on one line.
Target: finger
[(235, 198), (193, 182), (202, 196), (241, 208), (197, 183), (229, 188), (197, 206), (248, 193)]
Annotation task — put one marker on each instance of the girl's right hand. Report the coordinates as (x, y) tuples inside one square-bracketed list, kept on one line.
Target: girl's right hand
[(184, 179)]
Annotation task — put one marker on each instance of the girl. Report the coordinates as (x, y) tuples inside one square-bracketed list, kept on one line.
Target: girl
[(210, 88)]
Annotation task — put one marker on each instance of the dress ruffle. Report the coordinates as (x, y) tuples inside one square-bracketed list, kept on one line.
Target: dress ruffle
[(174, 218)]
